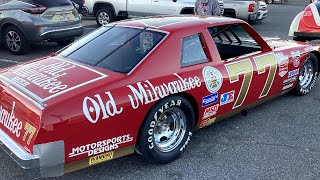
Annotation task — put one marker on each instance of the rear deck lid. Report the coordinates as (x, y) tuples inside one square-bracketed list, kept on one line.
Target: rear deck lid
[(49, 78)]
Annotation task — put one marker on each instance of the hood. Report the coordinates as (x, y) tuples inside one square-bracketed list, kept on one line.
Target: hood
[(52, 78)]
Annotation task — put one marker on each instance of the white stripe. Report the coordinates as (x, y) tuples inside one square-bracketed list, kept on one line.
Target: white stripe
[(10, 61), (315, 13)]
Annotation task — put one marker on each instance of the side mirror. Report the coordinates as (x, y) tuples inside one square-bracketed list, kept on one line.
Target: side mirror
[(175, 0)]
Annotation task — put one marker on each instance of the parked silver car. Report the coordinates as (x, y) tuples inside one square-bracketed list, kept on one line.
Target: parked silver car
[(24, 22)]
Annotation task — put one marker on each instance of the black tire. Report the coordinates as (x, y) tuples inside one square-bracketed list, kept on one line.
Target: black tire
[(104, 13), (20, 45), (66, 42), (304, 84), (147, 145), (269, 1)]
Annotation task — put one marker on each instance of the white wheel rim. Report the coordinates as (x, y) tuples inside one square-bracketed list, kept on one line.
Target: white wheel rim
[(170, 129), (104, 18), (306, 73)]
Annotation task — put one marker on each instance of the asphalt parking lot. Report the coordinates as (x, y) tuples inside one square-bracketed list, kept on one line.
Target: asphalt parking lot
[(277, 140)]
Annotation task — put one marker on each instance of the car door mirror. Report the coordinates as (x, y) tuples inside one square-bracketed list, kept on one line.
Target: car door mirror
[(175, 0)]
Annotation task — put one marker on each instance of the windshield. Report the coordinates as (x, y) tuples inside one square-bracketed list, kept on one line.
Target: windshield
[(117, 49)]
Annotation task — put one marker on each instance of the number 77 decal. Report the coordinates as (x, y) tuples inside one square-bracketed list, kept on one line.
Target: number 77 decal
[(245, 67)]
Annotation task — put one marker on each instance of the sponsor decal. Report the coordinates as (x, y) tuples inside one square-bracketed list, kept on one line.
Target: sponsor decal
[(212, 78), (287, 87), (210, 111), (296, 62), (105, 106), (9, 121), (101, 158), (93, 108), (227, 98), (295, 54), (44, 76), (145, 92), (293, 73), (158, 114), (14, 125), (49, 78), (207, 122), (283, 62), (208, 100), (290, 80), (101, 146)]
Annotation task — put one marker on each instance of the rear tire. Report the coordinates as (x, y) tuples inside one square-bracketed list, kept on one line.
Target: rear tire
[(307, 76), (66, 42), (15, 41), (166, 130), (104, 16)]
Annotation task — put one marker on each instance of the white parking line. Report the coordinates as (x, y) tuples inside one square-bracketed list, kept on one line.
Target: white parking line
[(9, 61)]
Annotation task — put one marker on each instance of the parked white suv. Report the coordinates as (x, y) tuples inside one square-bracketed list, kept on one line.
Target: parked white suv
[(242, 9), (107, 11)]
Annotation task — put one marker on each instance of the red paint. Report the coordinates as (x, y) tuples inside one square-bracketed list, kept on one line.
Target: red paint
[(63, 117)]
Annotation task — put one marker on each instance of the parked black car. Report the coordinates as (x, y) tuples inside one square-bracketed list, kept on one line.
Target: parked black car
[(24, 22)]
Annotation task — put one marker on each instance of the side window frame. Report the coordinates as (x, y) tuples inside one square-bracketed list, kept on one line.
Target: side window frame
[(232, 38), (204, 51)]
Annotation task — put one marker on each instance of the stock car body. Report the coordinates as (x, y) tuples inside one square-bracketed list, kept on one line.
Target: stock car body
[(155, 82), (306, 25)]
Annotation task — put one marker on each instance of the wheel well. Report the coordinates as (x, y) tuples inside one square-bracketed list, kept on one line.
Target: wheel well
[(193, 103), (318, 57), (3, 28), (188, 97), (229, 13), (187, 11), (99, 6)]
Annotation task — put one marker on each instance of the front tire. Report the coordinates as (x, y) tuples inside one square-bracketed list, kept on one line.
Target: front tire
[(167, 130), (104, 16), (15, 41), (307, 76)]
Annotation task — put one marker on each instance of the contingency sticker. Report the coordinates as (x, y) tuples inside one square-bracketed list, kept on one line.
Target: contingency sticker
[(212, 78), (283, 62), (101, 158)]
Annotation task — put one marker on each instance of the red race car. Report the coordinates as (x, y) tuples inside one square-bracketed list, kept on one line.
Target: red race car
[(142, 86), (306, 25)]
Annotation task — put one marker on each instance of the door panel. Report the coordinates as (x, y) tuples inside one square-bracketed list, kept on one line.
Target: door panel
[(164, 7), (139, 8)]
